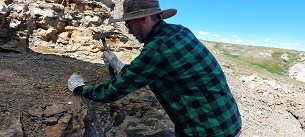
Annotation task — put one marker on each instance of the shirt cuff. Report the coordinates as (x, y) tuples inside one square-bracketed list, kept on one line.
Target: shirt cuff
[(78, 90)]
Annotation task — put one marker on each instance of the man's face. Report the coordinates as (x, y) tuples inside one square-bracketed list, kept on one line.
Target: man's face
[(135, 28)]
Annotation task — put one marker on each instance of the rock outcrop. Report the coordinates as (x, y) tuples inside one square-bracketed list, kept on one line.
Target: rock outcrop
[(61, 26), (297, 71)]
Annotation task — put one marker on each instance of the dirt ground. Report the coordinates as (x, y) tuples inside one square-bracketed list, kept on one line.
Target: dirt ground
[(33, 92), (37, 81), (35, 101)]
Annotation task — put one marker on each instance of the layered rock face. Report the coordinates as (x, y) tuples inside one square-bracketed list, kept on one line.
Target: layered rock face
[(60, 27)]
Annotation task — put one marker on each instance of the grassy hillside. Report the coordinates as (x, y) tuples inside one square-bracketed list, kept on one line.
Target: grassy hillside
[(253, 59)]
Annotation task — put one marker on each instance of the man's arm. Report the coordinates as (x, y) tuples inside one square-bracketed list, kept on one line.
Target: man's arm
[(142, 71)]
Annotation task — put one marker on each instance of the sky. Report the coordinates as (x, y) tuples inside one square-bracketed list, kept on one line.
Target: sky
[(268, 23)]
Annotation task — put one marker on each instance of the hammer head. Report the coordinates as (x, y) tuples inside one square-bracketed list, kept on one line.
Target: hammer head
[(104, 35)]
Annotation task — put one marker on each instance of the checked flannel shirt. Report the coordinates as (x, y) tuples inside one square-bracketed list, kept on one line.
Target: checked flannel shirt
[(185, 78)]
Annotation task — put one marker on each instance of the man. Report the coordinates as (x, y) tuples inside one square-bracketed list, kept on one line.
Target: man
[(182, 73)]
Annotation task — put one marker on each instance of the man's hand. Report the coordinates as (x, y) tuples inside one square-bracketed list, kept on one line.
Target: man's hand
[(76, 80), (110, 58)]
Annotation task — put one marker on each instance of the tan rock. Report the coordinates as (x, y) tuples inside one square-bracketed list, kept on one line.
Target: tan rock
[(59, 128), (81, 36), (50, 33), (53, 1), (54, 109), (64, 37)]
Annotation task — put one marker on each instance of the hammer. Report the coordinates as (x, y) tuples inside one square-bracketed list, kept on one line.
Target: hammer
[(103, 37)]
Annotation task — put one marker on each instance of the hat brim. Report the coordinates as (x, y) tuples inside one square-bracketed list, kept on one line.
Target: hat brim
[(164, 14)]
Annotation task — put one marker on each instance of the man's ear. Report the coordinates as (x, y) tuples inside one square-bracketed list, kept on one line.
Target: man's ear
[(144, 19)]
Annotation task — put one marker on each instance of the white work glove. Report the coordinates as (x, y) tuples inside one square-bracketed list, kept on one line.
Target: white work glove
[(110, 58), (75, 81)]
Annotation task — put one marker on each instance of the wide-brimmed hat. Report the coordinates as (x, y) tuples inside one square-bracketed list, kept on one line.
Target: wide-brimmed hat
[(134, 9)]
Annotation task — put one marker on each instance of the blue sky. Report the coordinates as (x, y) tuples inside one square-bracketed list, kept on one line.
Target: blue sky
[(269, 23)]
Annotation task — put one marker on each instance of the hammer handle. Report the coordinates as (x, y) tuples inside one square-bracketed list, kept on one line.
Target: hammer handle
[(111, 70)]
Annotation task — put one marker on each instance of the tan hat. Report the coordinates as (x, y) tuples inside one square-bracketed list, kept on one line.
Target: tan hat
[(134, 9)]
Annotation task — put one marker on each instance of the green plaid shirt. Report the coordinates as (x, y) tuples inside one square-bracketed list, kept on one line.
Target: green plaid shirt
[(186, 79)]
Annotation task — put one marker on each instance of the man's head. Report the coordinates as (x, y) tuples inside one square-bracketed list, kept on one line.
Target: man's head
[(134, 9), (141, 15)]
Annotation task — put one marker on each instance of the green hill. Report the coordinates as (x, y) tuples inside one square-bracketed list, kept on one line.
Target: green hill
[(245, 60)]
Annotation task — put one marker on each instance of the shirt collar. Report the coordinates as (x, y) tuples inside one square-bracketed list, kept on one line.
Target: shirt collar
[(154, 31)]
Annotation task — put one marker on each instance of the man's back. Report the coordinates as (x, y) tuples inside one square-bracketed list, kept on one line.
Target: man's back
[(193, 89)]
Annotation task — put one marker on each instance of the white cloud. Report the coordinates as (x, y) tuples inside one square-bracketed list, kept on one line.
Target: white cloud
[(224, 39), (298, 44), (251, 42), (239, 41), (291, 44), (215, 35), (267, 39), (234, 36), (287, 44), (203, 33)]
